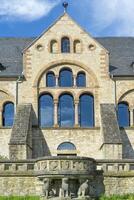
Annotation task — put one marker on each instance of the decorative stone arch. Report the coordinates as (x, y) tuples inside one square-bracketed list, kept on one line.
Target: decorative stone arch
[(47, 92), (85, 92), (64, 62), (66, 92), (8, 98), (124, 98)]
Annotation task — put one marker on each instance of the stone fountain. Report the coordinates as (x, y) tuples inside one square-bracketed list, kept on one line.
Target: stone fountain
[(68, 177)]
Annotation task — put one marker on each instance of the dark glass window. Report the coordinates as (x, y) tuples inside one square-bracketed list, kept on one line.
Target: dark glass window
[(66, 111), (66, 79), (65, 45), (86, 111), (50, 79), (81, 79), (66, 146), (8, 114), (46, 110), (123, 114)]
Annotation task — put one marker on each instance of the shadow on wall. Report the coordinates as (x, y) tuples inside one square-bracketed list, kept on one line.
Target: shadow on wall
[(128, 151), (39, 144), (40, 147)]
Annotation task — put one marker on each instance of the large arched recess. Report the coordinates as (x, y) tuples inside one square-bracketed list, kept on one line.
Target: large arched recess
[(65, 62)]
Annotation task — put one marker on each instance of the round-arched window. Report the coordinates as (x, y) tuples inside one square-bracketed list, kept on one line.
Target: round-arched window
[(66, 146), (8, 114)]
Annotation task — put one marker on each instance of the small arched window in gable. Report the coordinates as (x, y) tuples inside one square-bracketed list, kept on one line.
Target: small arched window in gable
[(65, 45), (123, 114), (66, 149), (81, 79), (50, 79), (54, 46), (66, 146), (77, 46), (8, 114)]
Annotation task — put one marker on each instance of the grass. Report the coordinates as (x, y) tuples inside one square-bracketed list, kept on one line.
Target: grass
[(118, 197), (113, 197), (19, 198)]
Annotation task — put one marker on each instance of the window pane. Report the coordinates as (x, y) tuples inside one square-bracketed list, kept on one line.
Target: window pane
[(46, 111), (123, 114), (8, 114), (66, 111), (65, 45), (81, 80), (66, 79), (86, 111), (50, 79), (66, 146)]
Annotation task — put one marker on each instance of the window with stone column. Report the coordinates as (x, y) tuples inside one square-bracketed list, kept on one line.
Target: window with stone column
[(70, 103)]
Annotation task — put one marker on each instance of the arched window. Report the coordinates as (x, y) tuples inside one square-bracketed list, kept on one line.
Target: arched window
[(50, 79), (123, 114), (8, 114), (66, 146), (81, 79), (66, 78), (46, 110), (54, 46), (66, 111), (65, 45), (77, 46), (86, 110)]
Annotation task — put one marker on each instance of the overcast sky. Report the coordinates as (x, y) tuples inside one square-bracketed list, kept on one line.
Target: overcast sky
[(27, 18)]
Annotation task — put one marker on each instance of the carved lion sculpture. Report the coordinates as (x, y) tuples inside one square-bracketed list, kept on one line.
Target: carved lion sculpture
[(83, 189), (64, 188), (45, 188)]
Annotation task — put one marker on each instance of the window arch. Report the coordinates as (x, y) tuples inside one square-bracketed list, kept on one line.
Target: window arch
[(54, 46), (66, 111), (81, 79), (123, 114), (50, 79), (65, 45), (86, 110), (66, 78), (66, 146), (77, 46), (8, 114), (46, 110)]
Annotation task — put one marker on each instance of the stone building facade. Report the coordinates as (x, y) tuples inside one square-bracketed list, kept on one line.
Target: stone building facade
[(108, 68)]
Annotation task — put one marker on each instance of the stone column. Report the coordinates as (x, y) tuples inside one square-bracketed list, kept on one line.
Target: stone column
[(57, 80), (132, 116), (1, 116), (55, 113), (76, 113), (74, 80)]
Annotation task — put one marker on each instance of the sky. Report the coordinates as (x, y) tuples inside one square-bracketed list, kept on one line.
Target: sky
[(101, 18)]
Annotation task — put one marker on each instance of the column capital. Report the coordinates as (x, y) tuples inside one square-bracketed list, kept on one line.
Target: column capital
[(131, 108), (55, 101), (76, 101), (74, 75)]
